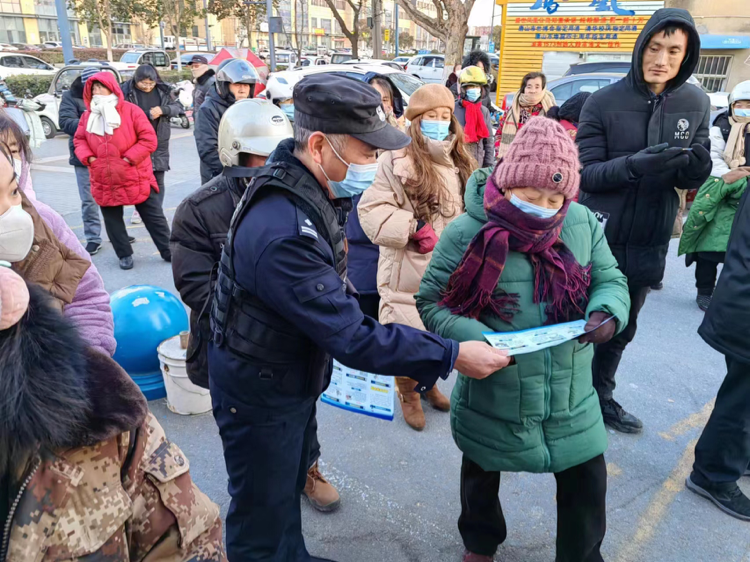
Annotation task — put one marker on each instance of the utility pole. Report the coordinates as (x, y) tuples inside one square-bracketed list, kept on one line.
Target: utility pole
[(161, 34), (208, 31), (271, 48), (377, 34), (395, 11), (64, 26)]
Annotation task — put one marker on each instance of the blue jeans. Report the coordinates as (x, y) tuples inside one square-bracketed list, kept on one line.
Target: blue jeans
[(92, 226)]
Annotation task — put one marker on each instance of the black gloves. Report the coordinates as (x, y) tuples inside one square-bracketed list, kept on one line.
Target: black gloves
[(700, 161), (658, 159)]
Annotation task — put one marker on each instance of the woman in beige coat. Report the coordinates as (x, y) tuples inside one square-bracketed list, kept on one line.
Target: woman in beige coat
[(418, 190)]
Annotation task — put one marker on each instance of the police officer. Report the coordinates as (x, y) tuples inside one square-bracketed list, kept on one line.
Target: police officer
[(249, 131), (283, 307)]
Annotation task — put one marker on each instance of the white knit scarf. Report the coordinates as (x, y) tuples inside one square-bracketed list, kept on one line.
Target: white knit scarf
[(104, 117)]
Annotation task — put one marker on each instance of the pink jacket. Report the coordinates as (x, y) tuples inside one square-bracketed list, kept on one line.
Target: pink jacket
[(90, 309)]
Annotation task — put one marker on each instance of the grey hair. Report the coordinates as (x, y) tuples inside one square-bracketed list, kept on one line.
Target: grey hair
[(302, 136)]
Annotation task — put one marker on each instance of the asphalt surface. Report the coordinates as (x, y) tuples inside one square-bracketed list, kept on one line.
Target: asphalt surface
[(400, 488)]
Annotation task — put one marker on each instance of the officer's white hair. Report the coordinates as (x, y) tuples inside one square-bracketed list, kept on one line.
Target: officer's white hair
[(302, 136)]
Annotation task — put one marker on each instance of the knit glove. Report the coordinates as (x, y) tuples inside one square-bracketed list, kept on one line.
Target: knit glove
[(425, 238), (657, 159), (699, 161), (14, 297)]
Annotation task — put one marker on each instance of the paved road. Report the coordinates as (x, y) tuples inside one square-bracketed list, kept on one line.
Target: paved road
[(400, 488)]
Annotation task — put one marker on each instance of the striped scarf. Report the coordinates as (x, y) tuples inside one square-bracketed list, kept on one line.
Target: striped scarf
[(559, 279)]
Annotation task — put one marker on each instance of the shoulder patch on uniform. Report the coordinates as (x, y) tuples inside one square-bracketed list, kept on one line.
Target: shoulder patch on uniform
[(305, 226)]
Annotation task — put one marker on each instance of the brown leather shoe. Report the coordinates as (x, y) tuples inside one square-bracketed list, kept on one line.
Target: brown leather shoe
[(438, 400), (320, 492), (473, 557), (411, 404)]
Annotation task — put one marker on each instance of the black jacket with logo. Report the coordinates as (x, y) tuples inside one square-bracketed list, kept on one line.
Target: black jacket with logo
[(69, 114), (625, 118)]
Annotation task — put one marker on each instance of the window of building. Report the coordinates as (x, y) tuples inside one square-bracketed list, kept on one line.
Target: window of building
[(313, 22), (319, 3), (45, 7), (48, 30), (337, 27), (340, 4), (12, 30), (10, 7), (713, 71), (121, 33), (326, 25), (95, 36), (195, 31)]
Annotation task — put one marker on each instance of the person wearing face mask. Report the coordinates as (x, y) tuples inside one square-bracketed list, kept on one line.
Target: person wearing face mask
[(147, 90), (281, 96), (393, 102), (417, 192), (474, 117), (706, 233), (283, 307), (532, 99), (204, 78), (235, 80), (42, 248), (524, 255), (453, 78), (115, 139)]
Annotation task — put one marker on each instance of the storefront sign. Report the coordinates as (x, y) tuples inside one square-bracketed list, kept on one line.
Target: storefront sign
[(319, 31)]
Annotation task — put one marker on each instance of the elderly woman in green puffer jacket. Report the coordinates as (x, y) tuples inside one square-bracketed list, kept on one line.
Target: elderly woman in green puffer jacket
[(525, 255), (706, 232)]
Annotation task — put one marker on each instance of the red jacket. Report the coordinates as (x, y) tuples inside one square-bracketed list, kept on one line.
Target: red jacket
[(114, 181)]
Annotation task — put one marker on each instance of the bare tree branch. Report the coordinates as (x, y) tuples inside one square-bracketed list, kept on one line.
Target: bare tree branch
[(433, 25)]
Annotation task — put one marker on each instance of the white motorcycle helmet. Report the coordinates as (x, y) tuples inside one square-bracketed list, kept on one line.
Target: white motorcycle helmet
[(280, 93), (251, 126), (741, 92)]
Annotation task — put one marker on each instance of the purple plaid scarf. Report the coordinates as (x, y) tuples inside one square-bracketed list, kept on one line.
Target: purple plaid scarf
[(559, 279)]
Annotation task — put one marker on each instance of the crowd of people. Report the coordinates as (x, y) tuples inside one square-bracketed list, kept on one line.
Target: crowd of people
[(334, 221)]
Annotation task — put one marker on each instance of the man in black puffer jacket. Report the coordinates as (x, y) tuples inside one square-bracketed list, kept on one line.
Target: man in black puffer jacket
[(639, 139), (235, 80), (69, 114)]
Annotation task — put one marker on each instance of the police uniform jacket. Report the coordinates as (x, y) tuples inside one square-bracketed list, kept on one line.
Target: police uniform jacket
[(282, 260)]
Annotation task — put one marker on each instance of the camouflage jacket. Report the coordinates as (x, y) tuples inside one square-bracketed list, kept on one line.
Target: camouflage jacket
[(116, 501)]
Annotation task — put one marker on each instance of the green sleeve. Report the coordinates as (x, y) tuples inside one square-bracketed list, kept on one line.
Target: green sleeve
[(608, 291), (445, 259), (702, 211)]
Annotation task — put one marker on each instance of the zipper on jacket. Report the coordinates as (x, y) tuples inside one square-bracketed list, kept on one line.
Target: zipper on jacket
[(13, 507), (547, 396)]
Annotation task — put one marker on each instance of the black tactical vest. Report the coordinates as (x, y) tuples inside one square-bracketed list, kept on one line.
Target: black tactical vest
[(241, 321)]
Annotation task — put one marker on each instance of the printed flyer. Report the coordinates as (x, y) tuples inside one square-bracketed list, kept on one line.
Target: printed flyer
[(536, 339), (361, 392)]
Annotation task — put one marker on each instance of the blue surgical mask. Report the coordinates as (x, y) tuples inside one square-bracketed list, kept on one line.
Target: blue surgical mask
[(436, 130), (473, 95), (741, 112), (358, 178), (289, 110), (533, 210)]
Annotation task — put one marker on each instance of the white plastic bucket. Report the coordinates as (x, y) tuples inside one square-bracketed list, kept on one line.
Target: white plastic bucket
[(183, 397)]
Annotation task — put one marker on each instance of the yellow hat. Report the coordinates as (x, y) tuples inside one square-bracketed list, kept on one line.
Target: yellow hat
[(472, 75)]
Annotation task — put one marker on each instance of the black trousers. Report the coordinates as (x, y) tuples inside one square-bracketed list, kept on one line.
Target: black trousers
[(581, 510), (153, 218), (722, 453), (160, 182), (607, 355), (269, 437), (705, 275)]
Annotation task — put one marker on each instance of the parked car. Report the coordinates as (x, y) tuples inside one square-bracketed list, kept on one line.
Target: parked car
[(26, 47), (155, 57), (61, 82), (15, 64), (406, 83), (130, 46), (402, 61), (567, 86), (339, 58), (612, 67), (389, 63), (428, 68), (7, 47), (187, 57), (52, 45)]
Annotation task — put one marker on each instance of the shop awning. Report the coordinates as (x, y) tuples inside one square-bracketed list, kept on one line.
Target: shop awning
[(709, 41)]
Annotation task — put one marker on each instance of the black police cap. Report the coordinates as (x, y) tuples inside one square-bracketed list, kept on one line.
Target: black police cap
[(339, 105)]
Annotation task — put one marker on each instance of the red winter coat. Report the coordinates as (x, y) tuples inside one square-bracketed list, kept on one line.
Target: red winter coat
[(115, 182)]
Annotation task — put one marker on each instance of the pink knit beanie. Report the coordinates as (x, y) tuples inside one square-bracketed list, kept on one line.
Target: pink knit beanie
[(542, 155)]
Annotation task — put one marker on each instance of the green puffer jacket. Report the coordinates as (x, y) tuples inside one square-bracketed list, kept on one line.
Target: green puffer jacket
[(711, 216), (541, 414)]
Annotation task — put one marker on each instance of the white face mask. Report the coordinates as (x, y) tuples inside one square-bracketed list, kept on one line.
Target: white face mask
[(17, 168), (531, 209), (16, 234)]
